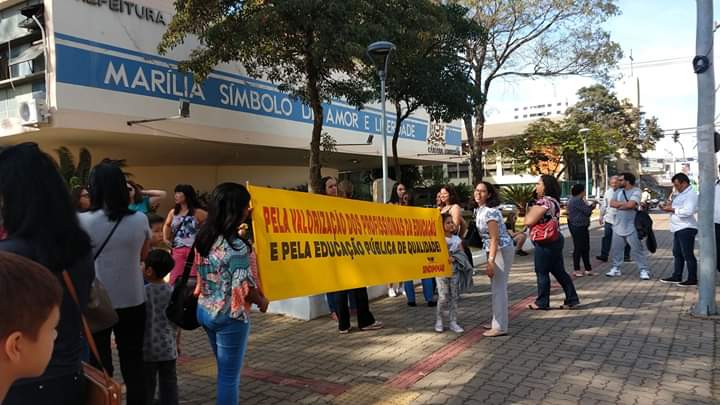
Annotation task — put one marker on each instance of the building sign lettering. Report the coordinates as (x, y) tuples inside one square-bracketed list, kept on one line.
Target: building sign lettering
[(130, 8)]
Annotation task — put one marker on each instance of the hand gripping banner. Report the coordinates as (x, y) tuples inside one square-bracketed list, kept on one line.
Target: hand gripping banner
[(308, 244)]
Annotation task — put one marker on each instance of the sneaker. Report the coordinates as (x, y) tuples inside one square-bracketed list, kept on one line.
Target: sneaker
[(455, 327), (602, 258), (412, 304), (670, 280), (627, 259), (432, 303), (375, 326), (614, 272), (439, 326), (521, 253), (687, 283), (578, 273), (644, 275), (391, 292)]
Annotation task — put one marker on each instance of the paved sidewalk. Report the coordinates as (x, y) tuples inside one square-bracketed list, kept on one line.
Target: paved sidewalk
[(632, 342)]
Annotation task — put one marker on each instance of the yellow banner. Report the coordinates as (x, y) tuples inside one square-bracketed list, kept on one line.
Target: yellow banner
[(309, 244)]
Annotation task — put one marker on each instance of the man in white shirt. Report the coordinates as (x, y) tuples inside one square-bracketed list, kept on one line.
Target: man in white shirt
[(683, 226), (607, 217), (626, 201)]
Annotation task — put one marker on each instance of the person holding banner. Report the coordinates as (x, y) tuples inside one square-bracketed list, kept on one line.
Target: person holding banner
[(330, 187), (226, 285), (500, 251), (366, 320), (396, 197), (428, 284)]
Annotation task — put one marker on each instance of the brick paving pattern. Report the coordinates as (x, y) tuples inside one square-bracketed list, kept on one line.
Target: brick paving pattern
[(631, 342)]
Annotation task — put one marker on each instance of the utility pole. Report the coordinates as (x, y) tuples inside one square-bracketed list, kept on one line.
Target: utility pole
[(704, 68)]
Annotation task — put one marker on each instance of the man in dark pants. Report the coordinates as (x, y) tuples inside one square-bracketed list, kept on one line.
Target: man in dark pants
[(607, 218), (717, 222), (683, 226)]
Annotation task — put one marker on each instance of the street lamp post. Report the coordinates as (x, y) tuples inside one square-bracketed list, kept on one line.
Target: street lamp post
[(584, 132), (379, 54)]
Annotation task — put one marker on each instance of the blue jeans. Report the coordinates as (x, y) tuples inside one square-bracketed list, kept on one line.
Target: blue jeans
[(228, 340), (549, 260), (683, 245), (428, 286)]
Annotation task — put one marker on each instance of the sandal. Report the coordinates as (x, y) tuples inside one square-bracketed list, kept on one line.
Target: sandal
[(570, 307), (375, 326), (494, 333), (534, 307), (589, 273), (578, 273)]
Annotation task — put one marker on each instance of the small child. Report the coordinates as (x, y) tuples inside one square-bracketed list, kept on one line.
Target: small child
[(156, 232), (159, 346), (449, 287), (30, 298)]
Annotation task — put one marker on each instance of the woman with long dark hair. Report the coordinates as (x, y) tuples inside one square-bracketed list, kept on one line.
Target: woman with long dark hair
[(42, 225), (428, 284), (499, 249), (330, 187), (549, 253), (121, 240), (396, 198), (181, 227), (142, 200), (227, 286)]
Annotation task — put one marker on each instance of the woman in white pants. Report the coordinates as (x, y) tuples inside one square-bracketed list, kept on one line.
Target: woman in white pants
[(500, 252)]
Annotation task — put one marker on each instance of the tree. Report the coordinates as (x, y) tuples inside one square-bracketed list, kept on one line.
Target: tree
[(616, 127), (74, 176), (535, 38), (311, 48), (427, 70)]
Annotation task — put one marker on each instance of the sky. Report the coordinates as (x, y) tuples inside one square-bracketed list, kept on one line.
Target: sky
[(654, 30)]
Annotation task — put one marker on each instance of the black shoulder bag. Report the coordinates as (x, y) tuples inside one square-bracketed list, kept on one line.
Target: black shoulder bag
[(182, 308)]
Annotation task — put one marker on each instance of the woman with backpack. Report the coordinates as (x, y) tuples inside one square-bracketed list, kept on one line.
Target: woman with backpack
[(544, 222)]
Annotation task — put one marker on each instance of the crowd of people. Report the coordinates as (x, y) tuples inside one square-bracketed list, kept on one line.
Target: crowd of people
[(106, 237)]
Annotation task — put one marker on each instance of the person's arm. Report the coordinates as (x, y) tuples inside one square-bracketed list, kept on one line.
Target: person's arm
[(688, 207), (624, 205), (200, 215), (155, 195), (167, 228), (534, 215), (456, 214), (494, 232), (145, 249)]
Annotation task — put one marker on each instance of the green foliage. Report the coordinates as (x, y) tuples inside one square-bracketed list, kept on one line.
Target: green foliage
[(428, 69), (536, 39), (74, 176), (464, 193), (549, 146), (518, 194), (311, 48)]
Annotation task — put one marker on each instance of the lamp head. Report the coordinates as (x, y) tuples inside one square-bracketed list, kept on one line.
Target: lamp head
[(584, 131), (379, 53)]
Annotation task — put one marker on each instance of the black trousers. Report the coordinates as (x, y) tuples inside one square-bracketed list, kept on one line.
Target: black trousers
[(165, 372), (129, 333), (63, 390), (717, 246), (581, 246), (365, 317)]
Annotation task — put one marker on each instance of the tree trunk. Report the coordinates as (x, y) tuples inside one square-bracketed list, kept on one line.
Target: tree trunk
[(396, 135), (476, 154), (315, 174)]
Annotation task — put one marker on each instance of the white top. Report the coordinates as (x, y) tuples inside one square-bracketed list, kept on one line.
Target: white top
[(684, 206), (717, 202), (454, 243), (606, 211), (118, 266), (624, 221)]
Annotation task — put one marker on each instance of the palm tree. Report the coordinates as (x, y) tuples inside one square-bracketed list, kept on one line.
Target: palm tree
[(75, 176)]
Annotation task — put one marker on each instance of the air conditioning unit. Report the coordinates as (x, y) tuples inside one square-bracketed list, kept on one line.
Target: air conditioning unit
[(32, 112)]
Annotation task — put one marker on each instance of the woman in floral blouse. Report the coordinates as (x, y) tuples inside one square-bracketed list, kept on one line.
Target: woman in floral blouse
[(500, 251), (227, 286)]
